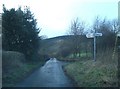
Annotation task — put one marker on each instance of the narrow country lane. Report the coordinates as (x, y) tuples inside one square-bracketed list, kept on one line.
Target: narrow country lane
[(50, 75)]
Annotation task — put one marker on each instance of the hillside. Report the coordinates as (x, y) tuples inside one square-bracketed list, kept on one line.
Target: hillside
[(52, 46)]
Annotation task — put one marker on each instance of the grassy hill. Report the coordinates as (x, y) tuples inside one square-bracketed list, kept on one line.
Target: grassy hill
[(52, 46)]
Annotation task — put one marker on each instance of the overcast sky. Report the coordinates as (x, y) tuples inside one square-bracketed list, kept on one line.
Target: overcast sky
[(55, 16)]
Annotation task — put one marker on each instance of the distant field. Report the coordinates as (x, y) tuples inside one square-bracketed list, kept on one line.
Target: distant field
[(83, 54)]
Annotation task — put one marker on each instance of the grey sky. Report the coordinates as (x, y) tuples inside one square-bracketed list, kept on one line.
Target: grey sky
[(55, 16)]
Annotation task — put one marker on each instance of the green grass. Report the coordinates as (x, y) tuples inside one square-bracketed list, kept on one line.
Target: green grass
[(83, 54), (15, 68), (87, 73), (71, 58), (17, 74)]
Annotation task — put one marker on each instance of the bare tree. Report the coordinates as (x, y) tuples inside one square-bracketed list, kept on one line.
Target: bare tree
[(44, 37), (76, 29), (96, 24), (115, 25), (108, 29)]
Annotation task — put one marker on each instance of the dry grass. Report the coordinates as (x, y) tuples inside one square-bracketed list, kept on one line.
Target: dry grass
[(106, 56), (102, 73)]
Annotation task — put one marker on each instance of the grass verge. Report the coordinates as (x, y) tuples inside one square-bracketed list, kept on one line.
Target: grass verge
[(18, 74), (102, 73), (15, 69)]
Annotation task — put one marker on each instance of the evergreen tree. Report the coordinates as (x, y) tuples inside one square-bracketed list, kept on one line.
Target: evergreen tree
[(20, 32)]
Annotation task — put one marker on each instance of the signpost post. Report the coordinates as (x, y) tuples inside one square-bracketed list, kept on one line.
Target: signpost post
[(118, 36), (93, 35), (94, 47)]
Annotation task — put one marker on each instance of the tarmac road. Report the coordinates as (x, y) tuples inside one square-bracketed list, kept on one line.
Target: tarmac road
[(50, 75)]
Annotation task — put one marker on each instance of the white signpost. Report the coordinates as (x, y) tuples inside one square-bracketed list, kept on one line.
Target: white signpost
[(118, 34), (98, 34), (90, 35), (93, 35)]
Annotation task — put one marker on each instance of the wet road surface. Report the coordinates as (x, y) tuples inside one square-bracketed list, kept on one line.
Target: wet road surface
[(50, 75)]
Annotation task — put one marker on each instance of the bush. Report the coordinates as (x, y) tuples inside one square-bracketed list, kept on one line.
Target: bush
[(11, 60)]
